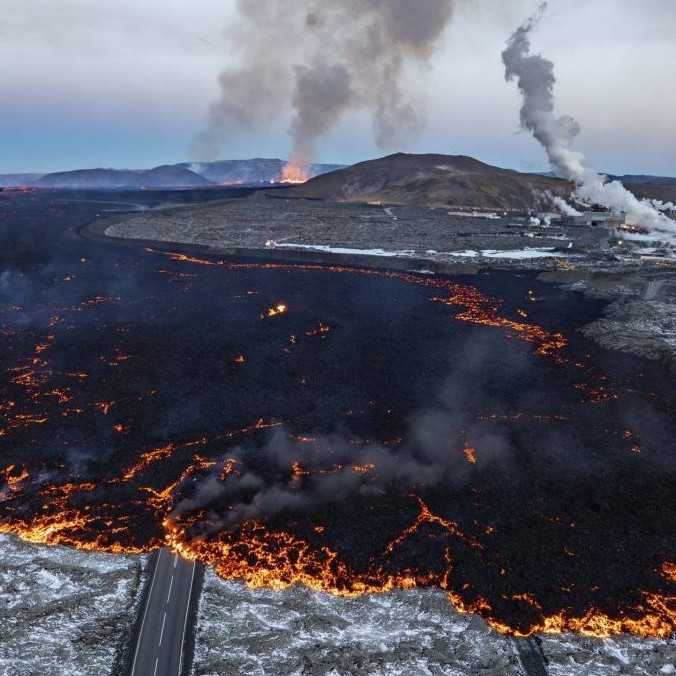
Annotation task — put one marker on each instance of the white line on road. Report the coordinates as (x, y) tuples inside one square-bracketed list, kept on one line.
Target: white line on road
[(185, 620), (164, 619), (171, 584), (145, 612), (175, 560), (157, 659)]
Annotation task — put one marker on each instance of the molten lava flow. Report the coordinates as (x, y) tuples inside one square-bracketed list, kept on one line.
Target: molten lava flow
[(293, 173), (13, 477), (147, 459), (470, 454), (669, 570), (274, 311), (321, 331), (478, 309), (426, 516)]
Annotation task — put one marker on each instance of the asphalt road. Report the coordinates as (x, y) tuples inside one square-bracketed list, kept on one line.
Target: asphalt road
[(159, 649)]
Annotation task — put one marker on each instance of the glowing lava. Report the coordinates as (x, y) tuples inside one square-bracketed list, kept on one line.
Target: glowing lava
[(274, 311), (294, 173)]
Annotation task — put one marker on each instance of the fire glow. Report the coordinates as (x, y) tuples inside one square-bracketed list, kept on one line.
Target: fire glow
[(274, 311), (294, 174)]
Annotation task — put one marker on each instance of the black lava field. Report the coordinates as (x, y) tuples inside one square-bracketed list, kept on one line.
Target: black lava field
[(354, 430)]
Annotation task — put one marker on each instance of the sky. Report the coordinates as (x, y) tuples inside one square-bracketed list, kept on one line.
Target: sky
[(127, 84)]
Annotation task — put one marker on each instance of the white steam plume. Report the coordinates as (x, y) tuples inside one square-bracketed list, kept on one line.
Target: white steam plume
[(535, 78), (563, 206)]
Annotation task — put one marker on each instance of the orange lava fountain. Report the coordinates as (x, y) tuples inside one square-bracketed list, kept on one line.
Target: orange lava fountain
[(294, 173)]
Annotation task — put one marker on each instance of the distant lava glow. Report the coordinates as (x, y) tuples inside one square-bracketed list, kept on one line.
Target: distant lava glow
[(293, 173), (410, 541), (274, 311)]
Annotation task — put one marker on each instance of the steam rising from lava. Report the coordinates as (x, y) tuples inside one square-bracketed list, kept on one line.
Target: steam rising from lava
[(535, 78), (327, 59)]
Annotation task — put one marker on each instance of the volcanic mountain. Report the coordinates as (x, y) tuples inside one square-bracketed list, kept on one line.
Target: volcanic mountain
[(434, 181)]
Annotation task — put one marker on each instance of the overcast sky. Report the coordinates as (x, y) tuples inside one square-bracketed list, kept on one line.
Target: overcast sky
[(126, 83)]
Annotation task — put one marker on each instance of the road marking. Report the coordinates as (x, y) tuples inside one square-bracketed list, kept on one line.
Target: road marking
[(175, 560), (164, 619), (185, 620), (171, 584), (157, 659), (145, 612)]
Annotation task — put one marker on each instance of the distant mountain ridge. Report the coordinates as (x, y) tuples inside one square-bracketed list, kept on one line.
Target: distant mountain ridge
[(14, 180), (257, 171), (426, 180), (159, 177)]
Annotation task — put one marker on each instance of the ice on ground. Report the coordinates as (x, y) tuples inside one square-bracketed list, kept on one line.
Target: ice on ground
[(523, 253), (513, 254), (338, 249), (465, 253), (570, 654), (64, 612), (517, 254), (298, 631)]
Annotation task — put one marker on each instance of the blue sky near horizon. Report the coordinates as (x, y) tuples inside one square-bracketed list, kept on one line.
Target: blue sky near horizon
[(128, 84)]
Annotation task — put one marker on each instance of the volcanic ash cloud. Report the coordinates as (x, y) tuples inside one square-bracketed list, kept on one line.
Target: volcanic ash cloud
[(325, 60)]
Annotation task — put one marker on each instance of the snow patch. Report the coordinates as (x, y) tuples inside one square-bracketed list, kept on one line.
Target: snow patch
[(272, 244)]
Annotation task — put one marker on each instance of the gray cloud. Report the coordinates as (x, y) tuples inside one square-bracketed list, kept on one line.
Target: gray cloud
[(326, 59)]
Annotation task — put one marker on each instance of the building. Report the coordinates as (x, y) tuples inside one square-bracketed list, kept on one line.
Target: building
[(596, 218)]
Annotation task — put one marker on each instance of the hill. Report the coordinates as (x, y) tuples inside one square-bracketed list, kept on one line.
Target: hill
[(167, 176), (183, 175), (434, 181), (14, 180)]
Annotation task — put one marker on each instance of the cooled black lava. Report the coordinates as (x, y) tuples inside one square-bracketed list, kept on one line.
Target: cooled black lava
[(350, 429)]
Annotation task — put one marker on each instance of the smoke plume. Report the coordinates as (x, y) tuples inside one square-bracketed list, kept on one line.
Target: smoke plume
[(284, 474), (535, 78), (326, 59)]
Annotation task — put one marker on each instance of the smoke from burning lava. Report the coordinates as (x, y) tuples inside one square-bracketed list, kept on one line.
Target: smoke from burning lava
[(327, 59), (535, 78)]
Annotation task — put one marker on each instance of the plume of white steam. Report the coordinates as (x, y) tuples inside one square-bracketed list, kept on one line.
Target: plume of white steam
[(563, 206), (325, 59), (535, 78), (663, 206)]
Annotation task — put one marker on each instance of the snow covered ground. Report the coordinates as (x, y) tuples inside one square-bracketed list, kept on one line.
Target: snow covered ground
[(528, 253), (515, 254), (64, 612), (271, 244), (261, 632)]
